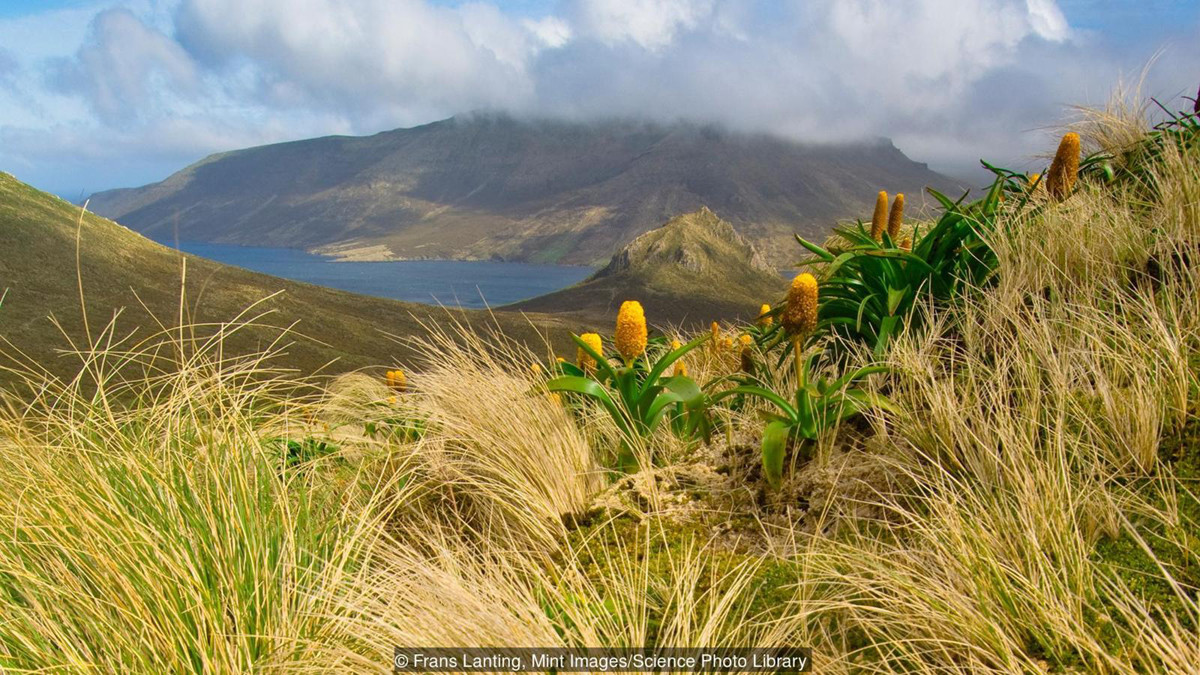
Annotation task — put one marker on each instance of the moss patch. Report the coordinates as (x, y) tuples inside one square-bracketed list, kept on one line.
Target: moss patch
[(658, 547), (1176, 545)]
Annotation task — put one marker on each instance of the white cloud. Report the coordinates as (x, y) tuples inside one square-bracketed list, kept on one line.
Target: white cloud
[(1048, 20), (652, 24), (949, 80), (124, 66), (389, 55), (551, 31)]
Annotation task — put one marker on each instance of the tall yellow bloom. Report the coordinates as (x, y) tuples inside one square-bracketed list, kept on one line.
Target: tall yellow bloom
[(747, 354), (879, 220), (1061, 176), (1033, 180), (764, 320), (906, 244), (800, 314), (396, 380), (630, 337), (716, 337), (586, 362), (896, 217)]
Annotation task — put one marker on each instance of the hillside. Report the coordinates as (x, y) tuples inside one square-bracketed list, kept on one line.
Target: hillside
[(693, 269), (492, 186), (123, 270)]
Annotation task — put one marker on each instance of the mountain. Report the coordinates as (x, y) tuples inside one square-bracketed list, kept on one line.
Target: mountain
[(491, 186), (693, 269), (123, 271)]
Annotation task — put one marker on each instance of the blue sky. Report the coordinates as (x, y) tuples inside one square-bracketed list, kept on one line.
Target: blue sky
[(96, 94)]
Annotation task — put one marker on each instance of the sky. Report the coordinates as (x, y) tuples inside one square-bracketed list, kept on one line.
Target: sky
[(98, 94)]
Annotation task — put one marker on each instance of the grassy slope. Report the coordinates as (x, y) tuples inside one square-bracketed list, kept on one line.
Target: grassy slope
[(719, 280), (119, 267)]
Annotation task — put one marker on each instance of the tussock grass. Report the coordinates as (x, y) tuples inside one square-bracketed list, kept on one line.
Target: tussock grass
[(1040, 511)]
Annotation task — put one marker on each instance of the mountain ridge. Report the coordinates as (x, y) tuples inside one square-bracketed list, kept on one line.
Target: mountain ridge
[(492, 186)]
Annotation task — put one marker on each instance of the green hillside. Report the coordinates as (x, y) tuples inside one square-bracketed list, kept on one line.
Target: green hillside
[(123, 271)]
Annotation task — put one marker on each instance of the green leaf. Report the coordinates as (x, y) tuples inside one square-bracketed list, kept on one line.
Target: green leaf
[(566, 368), (760, 392), (689, 392), (774, 448), (592, 389), (894, 297), (886, 328), (817, 250), (658, 407), (841, 382), (674, 355)]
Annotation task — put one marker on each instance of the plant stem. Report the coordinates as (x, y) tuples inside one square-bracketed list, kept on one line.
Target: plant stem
[(797, 346)]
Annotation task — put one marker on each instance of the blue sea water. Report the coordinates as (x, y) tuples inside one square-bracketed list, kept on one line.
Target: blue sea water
[(451, 283)]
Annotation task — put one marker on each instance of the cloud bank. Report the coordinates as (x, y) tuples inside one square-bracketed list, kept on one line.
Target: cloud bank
[(155, 85)]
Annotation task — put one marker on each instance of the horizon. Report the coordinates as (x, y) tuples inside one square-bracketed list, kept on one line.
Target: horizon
[(102, 94)]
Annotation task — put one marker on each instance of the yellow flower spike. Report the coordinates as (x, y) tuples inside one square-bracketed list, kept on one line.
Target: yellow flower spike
[(1033, 181), (764, 320), (560, 359), (680, 367), (392, 400), (586, 362), (800, 317), (1060, 178), (906, 244), (396, 380), (879, 220), (800, 313), (747, 355), (896, 217), (716, 337), (726, 344), (630, 336), (536, 369), (555, 398)]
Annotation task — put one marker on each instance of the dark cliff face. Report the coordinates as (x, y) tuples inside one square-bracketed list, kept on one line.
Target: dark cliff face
[(492, 186)]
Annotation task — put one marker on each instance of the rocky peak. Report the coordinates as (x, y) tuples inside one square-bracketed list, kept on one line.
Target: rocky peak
[(698, 242)]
